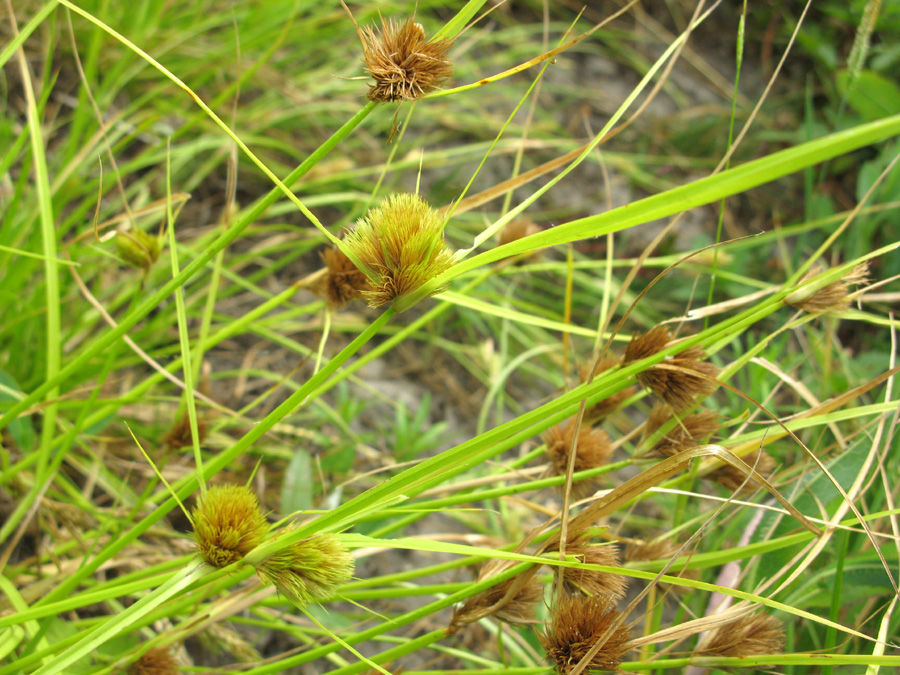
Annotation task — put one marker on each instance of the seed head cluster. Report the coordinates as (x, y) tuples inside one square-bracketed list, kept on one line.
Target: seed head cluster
[(519, 608), (403, 62), (401, 246), (577, 624), (681, 379), (155, 661), (592, 450), (342, 281), (753, 635), (308, 570), (604, 585), (687, 432), (228, 524), (835, 297)]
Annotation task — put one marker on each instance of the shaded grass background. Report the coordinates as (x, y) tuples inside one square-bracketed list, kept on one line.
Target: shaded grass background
[(295, 62)]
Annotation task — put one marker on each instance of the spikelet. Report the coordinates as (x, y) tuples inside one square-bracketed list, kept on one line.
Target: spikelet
[(403, 62), (180, 436), (401, 245), (732, 478), (751, 635), (577, 623), (681, 379), (835, 297), (342, 282), (592, 450), (309, 570), (603, 408), (687, 432), (519, 609), (228, 524), (605, 585), (517, 229), (155, 661), (138, 248)]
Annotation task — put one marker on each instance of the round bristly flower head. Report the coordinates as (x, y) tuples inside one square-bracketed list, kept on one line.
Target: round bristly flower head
[(602, 585), (578, 622), (682, 378), (753, 635), (403, 62), (155, 661), (342, 281), (518, 608), (592, 450), (401, 246), (228, 524), (308, 570)]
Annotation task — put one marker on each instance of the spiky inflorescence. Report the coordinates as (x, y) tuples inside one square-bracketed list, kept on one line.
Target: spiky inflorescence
[(519, 609), (517, 229), (603, 408), (577, 624), (592, 450), (228, 524), (180, 435), (732, 478), (155, 661), (687, 432), (404, 64), (342, 282), (659, 549), (592, 582), (401, 243), (835, 297), (681, 379), (753, 635), (138, 248), (309, 570)]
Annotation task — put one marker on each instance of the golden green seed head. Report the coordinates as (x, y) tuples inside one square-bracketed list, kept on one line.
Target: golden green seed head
[(400, 245), (308, 570), (138, 248), (228, 524)]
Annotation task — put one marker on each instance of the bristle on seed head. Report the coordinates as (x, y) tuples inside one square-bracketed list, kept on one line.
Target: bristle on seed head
[(687, 432)]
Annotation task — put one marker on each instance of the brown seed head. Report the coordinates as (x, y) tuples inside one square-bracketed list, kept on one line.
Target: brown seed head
[(155, 661), (517, 229), (578, 622), (228, 524), (342, 282), (603, 408), (404, 64), (733, 478), (753, 635), (402, 244), (309, 570), (687, 432), (681, 379), (604, 585), (518, 609), (179, 435), (592, 450), (659, 549), (834, 297)]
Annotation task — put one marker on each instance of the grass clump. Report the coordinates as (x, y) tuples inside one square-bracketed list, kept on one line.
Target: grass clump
[(508, 234)]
